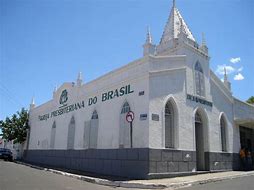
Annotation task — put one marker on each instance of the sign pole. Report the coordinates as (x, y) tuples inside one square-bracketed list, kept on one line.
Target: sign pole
[(129, 119), (131, 132)]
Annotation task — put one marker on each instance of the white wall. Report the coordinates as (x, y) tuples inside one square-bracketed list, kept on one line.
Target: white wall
[(133, 74), (223, 104), (161, 78), (173, 76), (243, 110), (170, 84)]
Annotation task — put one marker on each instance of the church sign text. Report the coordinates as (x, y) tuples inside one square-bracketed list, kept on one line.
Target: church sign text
[(199, 100), (65, 108)]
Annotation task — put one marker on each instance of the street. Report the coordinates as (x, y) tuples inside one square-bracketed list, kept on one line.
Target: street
[(19, 177), (16, 176)]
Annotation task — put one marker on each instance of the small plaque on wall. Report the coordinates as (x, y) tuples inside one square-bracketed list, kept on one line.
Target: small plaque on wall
[(141, 93), (155, 117), (143, 117)]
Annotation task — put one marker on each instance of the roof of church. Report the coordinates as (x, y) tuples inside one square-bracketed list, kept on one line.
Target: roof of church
[(174, 25)]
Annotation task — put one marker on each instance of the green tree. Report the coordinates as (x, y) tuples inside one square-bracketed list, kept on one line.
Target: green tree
[(15, 128), (250, 100)]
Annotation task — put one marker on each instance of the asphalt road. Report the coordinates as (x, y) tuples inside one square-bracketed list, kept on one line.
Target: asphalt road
[(244, 183), (19, 177)]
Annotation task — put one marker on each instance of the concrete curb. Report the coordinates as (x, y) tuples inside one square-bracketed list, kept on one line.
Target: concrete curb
[(211, 180), (106, 182), (140, 185)]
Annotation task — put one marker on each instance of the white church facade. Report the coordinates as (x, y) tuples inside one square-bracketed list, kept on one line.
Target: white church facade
[(185, 119)]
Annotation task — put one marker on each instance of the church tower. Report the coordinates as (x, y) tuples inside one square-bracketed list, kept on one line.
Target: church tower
[(176, 34)]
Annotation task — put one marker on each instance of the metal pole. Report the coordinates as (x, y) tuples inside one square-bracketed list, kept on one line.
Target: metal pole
[(131, 132)]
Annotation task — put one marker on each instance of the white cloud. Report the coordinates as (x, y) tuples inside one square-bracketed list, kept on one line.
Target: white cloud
[(235, 60), (240, 69), (239, 76), (220, 69)]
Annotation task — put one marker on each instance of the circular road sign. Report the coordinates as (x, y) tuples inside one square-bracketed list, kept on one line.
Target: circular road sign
[(130, 116)]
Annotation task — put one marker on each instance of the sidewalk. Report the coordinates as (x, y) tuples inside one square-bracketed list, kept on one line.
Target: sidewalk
[(172, 183), (178, 182)]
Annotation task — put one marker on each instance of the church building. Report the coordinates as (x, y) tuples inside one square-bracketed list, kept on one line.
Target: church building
[(163, 114)]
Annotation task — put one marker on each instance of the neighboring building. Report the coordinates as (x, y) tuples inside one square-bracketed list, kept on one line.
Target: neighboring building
[(16, 148), (186, 119)]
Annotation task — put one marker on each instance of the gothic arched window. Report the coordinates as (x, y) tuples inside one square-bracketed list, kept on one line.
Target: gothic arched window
[(95, 115), (124, 131), (71, 134), (199, 80), (169, 126), (223, 133), (94, 125), (198, 118), (125, 108), (53, 135)]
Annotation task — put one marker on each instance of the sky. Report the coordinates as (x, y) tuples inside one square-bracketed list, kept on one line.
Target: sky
[(44, 43)]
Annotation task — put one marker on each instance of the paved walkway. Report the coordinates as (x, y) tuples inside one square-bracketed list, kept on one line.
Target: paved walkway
[(177, 182)]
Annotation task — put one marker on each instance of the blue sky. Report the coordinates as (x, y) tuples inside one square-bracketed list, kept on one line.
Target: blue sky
[(44, 43)]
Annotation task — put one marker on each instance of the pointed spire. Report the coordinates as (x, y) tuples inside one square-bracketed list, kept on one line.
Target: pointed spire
[(226, 82), (32, 102), (80, 76), (225, 75), (203, 43), (55, 89), (148, 47), (173, 26), (182, 36), (32, 105), (79, 79), (181, 25), (148, 36)]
